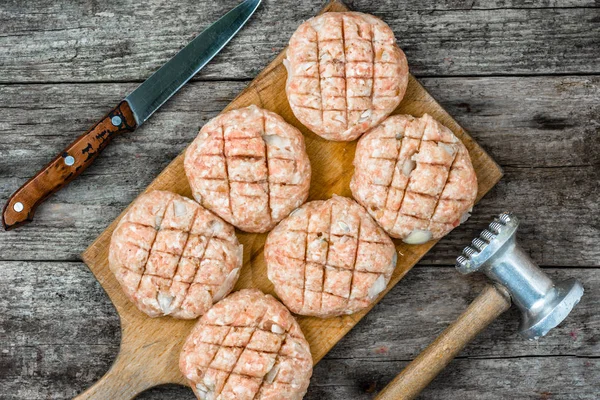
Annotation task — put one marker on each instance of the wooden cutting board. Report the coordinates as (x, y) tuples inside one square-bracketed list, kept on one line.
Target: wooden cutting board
[(150, 347)]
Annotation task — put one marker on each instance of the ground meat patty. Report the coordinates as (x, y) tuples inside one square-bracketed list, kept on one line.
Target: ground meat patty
[(248, 346), (173, 257), (345, 74), (414, 177), (250, 167), (329, 258)]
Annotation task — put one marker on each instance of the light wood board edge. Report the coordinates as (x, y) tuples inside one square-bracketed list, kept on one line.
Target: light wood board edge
[(151, 346)]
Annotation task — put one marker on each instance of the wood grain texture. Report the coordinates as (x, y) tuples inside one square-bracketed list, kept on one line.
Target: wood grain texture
[(416, 376), (115, 40), (546, 141), (59, 332), (40, 358), (150, 347)]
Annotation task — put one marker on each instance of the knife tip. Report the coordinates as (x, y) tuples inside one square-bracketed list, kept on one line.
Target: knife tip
[(256, 3)]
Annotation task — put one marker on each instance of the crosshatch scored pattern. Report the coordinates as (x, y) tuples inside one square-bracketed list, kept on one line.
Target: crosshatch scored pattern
[(174, 257), (347, 74), (139, 365), (326, 258), (250, 167), (413, 173), (248, 343)]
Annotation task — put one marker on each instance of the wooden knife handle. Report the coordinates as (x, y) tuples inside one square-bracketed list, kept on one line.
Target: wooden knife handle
[(79, 155), (492, 302)]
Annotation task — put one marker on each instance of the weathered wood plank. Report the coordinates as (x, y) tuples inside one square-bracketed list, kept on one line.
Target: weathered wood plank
[(60, 303), (543, 130), (59, 334), (466, 379), (431, 298), (57, 41), (527, 122), (564, 378)]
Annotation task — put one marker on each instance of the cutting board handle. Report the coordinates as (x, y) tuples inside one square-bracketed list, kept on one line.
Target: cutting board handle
[(148, 357), (492, 302)]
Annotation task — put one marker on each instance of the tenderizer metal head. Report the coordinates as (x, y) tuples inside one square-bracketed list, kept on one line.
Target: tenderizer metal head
[(496, 253)]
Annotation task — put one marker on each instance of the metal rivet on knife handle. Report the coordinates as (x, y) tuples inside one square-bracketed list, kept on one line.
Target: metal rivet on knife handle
[(69, 160), (116, 120)]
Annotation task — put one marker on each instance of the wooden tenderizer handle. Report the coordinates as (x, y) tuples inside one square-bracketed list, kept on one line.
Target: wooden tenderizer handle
[(492, 302)]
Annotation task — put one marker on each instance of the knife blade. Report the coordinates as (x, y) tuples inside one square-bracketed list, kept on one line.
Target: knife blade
[(165, 82), (129, 115)]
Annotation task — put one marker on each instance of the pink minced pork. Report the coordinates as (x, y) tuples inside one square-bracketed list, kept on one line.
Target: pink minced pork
[(345, 74), (248, 346), (415, 177), (173, 257), (250, 167), (329, 258)]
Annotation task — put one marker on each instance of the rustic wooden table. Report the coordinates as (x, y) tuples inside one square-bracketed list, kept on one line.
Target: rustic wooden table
[(522, 76)]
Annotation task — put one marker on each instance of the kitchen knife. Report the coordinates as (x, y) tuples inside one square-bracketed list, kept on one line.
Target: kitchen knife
[(129, 115)]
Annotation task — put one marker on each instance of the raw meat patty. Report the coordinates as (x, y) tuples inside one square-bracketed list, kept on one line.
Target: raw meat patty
[(414, 177), (345, 74), (248, 346), (329, 258), (250, 167), (173, 257)]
